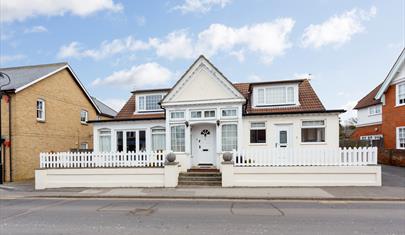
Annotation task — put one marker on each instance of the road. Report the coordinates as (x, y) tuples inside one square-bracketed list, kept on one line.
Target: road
[(126, 216)]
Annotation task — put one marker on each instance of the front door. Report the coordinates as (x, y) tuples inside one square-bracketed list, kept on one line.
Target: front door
[(203, 144), (283, 136)]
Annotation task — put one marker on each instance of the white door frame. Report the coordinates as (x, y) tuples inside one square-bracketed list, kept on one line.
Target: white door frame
[(284, 127), (201, 144)]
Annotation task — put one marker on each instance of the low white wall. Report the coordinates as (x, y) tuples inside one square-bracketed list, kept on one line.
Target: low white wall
[(301, 176), (107, 177)]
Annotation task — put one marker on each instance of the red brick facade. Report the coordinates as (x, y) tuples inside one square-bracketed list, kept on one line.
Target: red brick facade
[(366, 130), (392, 117)]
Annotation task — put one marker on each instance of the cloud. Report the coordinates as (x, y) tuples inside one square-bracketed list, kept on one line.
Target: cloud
[(10, 58), (175, 45), (200, 6), (106, 49), (338, 29), (140, 20), (269, 40), (350, 111), (36, 29), (20, 10), (139, 76)]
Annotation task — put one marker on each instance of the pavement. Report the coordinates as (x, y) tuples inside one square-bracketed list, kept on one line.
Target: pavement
[(157, 216), (393, 189)]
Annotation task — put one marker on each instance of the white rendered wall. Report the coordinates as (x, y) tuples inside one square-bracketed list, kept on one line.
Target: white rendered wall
[(364, 118)]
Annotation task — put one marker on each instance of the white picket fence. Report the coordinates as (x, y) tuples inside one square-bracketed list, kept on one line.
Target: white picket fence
[(305, 157), (99, 160)]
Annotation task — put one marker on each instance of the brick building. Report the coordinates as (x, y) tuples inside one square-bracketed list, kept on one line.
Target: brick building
[(44, 108)]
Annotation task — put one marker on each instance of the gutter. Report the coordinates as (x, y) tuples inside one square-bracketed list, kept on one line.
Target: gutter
[(296, 112), (126, 119)]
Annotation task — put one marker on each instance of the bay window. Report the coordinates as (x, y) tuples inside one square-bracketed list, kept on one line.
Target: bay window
[(202, 114), (229, 137), (400, 94), (257, 132), (158, 139), (313, 131), (228, 113), (177, 115), (131, 140), (177, 134), (104, 140)]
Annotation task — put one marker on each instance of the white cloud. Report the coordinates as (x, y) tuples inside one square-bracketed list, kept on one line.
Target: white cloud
[(269, 39), (106, 49), (36, 29), (20, 10), (350, 111), (338, 29), (10, 58), (140, 20), (175, 45), (140, 76), (200, 6), (115, 104)]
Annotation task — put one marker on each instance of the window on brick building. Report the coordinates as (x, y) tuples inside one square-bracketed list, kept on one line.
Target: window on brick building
[(401, 137)]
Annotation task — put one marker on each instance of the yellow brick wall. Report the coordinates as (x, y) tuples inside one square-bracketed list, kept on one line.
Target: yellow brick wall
[(62, 129)]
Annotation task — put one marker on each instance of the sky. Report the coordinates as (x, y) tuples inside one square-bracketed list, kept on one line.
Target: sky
[(346, 48)]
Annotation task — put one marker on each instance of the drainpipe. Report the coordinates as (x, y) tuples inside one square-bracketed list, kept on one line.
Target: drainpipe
[(9, 137)]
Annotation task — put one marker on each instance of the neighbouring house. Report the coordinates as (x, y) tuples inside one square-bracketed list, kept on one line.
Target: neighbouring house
[(45, 108), (381, 114), (204, 114)]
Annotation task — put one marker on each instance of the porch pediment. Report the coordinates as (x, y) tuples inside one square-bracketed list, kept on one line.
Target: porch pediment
[(202, 82)]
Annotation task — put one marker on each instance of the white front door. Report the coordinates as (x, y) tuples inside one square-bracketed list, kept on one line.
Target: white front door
[(283, 138), (203, 144)]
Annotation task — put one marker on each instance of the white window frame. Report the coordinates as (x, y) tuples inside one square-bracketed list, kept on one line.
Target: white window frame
[(43, 111), (177, 111), (85, 144), (397, 94), (237, 133), (258, 128), (160, 130), (100, 134), (315, 126), (203, 114), (372, 110), (171, 138), (144, 97), (229, 109), (124, 139), (397, 137), (86, 117), (265, 90), (371, 137)]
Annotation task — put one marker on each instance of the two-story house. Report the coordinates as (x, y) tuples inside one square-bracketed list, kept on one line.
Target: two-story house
[(204, 114), (44, 108), (381, 113)]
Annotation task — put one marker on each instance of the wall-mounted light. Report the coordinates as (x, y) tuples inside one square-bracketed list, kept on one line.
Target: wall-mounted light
[(186, 123), (218, 122)]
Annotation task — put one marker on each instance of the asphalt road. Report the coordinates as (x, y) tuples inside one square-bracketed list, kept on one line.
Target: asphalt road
[(119, 216)]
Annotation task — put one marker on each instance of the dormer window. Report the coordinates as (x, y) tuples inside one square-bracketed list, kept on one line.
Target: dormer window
[(149, 103), (275, 95)]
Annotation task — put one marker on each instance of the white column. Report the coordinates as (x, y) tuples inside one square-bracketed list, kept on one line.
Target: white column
[(168, 143), (240, 127)]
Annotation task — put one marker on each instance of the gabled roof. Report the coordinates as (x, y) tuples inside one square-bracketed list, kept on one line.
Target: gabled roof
[(104, 109), (128, 112), (391, 75), (369, 100), (24, 76), (201, 59)]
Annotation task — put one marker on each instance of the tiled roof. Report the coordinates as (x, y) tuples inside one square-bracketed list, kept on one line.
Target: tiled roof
[(309, 102), (127, 112), (369, 100)]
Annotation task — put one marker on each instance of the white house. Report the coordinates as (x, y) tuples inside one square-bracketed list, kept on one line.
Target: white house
[(204, 114)]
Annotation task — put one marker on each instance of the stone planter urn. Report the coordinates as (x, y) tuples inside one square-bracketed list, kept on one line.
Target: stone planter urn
[(227, 156), (171, 157)]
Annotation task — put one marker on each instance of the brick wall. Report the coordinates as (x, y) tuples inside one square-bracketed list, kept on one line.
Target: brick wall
[(62, 129), (393, 157), (366, 130), (392, 118)]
